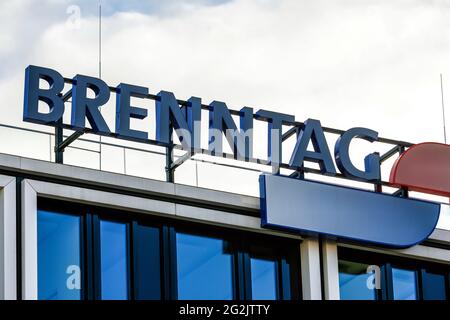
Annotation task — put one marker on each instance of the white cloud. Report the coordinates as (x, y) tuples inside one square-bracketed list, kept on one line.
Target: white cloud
[(348, 63)]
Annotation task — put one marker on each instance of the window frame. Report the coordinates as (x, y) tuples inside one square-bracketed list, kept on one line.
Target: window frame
[(50, 207), (91, 215), (386, 262), (239, 240)]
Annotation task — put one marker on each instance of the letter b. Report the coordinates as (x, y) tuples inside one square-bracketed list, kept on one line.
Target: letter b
[(33, 94)]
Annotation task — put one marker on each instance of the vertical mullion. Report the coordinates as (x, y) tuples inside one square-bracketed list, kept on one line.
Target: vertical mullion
[(83, 260), (96, 258), (88, 258), (134, 258), (247, 275), (169, 263), (238, 275), (82, 266), (278, 280), (420, 283), (165, 263), (173, 263), (247, 268), (285, 283), (447, 286), (130, 262), (388, 290)]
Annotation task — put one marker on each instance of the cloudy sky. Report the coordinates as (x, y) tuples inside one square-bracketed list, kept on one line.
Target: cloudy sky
[(348, 63)]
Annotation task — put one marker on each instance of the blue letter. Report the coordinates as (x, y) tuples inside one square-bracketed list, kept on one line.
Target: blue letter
[(124, 111), (193, 114), (341, 153), (33, 94), (220, 121), (321, 154), (186, 124), (83, 107), (275, 133)]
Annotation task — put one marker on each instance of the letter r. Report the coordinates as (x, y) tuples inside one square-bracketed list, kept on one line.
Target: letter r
[(84, 107)]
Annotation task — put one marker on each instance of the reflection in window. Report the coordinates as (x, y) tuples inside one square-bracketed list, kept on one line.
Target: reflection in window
[(59, 274), (433, 286), (113, 257), (353, 278), (404, 284), (264, 279), (204, 267)]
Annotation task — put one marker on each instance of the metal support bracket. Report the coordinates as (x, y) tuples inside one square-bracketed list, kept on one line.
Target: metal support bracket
[(65, 143), (289, 133), (170, 172), (390, 153), (284, 137), (397, 149), (299, 174), (60, 143), (402, 193), (188, 155)]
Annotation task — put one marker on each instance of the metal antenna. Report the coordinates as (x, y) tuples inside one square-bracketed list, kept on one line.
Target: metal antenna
[(443, 111), (99, 39), (100, 68)]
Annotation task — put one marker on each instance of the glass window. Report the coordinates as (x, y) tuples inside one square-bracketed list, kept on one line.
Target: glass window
[(204, 268), (264, 279), (433, 286), (354, 281), (59, 272), (113, 259), (148, 263), (404, 284)]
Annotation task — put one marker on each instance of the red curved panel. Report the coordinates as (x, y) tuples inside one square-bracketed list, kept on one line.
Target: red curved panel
[(424, 167)]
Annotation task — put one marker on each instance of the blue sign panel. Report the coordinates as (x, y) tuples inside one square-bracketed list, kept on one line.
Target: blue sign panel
[(312, 207)]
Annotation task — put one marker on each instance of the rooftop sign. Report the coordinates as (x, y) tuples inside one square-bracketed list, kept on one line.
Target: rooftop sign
[(299, 205), (186, 122)]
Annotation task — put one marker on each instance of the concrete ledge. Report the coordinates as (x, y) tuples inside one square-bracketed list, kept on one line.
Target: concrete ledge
[(162, 192), (149, 206), (440, 236), (131, 184), (419, 252), (225, 219), (214, 196), (106, 199)]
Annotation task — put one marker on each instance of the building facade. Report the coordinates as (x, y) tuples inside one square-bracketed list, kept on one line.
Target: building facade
[(68, 232)]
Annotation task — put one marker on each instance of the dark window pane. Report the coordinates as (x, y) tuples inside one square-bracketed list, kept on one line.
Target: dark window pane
[(204, 267), (404, 284), (353, 281), (59, 274), (148, 267), (288, 278), (114, 273), (264, 279), (433, 286)]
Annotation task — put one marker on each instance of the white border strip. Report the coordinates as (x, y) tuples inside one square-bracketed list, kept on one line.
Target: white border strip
[(8, 262), (330, 270), (310, 269), (29, 242), (32, 189), (30, 192)]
